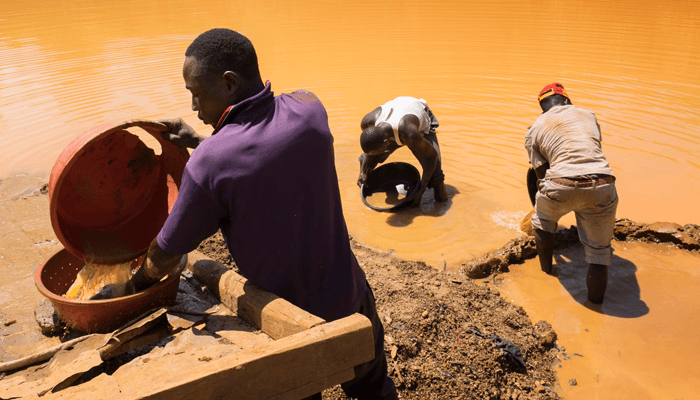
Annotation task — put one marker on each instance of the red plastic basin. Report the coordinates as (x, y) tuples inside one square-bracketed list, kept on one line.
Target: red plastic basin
[(99, 316)]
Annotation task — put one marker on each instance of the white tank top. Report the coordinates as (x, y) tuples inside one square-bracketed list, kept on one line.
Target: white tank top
[(392, 111)]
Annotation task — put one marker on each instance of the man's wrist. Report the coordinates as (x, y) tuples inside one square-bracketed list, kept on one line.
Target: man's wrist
[(140, 280)]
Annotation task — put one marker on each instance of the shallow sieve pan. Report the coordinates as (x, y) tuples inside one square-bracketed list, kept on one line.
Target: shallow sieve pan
[(395, 179)]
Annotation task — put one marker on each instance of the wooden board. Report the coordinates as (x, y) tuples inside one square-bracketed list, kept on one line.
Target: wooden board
[(275, 316), (293, 367), (307, 356)]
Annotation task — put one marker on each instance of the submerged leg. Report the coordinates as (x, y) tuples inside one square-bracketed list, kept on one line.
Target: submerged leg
[(545, 249), (440, 192), (597, 281)]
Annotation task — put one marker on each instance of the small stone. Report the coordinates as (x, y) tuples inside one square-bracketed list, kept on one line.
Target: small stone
[(47, 318), (10, 322), (545, 334), (573, 382), (540, 389), (664, 227), (394, 350), (425, 314)]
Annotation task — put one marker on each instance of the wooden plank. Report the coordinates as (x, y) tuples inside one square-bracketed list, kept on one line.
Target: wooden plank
[(40, 356), (132, 330), (149, 337), (316, 387), (275, 316), (300, 365)]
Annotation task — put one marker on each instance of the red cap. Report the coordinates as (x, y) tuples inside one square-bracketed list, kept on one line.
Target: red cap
[(552, 88)]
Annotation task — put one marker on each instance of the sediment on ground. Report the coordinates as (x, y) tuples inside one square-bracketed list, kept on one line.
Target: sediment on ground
[(448, 336), (442, 329)]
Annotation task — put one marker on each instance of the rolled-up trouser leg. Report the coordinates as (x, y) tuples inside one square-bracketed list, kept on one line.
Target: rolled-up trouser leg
[(596, 223)]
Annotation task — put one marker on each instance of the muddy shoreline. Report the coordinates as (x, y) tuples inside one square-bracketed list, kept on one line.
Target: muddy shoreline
[(448, 334), (517, 250), (438, 332)]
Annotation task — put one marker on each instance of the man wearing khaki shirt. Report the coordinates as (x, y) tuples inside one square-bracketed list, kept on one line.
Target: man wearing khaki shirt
[(564, 146)]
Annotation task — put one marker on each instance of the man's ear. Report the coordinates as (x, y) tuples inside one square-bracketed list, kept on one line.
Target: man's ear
[(233, 81)]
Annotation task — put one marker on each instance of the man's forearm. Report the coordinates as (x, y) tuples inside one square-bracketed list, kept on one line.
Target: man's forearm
[(541, 171), (156, 265), (369, 162)]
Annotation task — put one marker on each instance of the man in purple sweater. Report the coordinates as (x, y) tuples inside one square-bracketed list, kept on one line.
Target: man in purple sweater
[(266, 178)]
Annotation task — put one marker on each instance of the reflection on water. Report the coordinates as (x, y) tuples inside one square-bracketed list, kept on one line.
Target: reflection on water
[(68, 66)]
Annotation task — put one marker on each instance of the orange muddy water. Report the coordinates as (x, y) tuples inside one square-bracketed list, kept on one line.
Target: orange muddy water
[(68, 66)]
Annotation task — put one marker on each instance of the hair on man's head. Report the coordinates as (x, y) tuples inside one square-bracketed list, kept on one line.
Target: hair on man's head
[(219, 50), (371, 139), (554, 100)]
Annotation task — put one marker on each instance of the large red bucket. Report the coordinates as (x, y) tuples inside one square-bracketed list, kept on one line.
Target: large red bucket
[(110, 194), (109, 197)]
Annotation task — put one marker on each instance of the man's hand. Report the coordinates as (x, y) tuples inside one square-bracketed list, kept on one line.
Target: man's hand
[(180, 133), (361, 179), (156, 265), (415, 198)]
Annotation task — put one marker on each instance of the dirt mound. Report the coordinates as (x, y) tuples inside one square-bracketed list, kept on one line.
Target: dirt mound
[(448, 336), (685, 237), (514, 252)]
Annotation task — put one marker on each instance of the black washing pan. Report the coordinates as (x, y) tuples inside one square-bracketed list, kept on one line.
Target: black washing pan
[(394, 179)]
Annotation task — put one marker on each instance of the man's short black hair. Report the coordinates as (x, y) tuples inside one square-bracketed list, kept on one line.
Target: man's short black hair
[(219, 50), (371, 139), (554, 100)]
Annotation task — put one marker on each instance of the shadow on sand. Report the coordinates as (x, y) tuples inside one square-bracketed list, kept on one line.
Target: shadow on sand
[(623, 294), (428, 206)]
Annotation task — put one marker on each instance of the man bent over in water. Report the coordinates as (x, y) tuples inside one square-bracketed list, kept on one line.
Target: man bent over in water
[(403, 121)]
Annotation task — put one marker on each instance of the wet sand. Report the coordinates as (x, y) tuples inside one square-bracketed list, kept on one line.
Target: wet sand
[(26, 241), (634, 346)]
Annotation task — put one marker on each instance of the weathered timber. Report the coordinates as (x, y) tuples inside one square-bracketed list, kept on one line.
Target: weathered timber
[(290, 368), (273, 315), (41, 356)]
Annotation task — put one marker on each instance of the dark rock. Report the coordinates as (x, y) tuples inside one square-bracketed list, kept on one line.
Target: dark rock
[(47, 318), (515, 251), (545, 334), (663, 232), (687, 241), (623, 228)]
